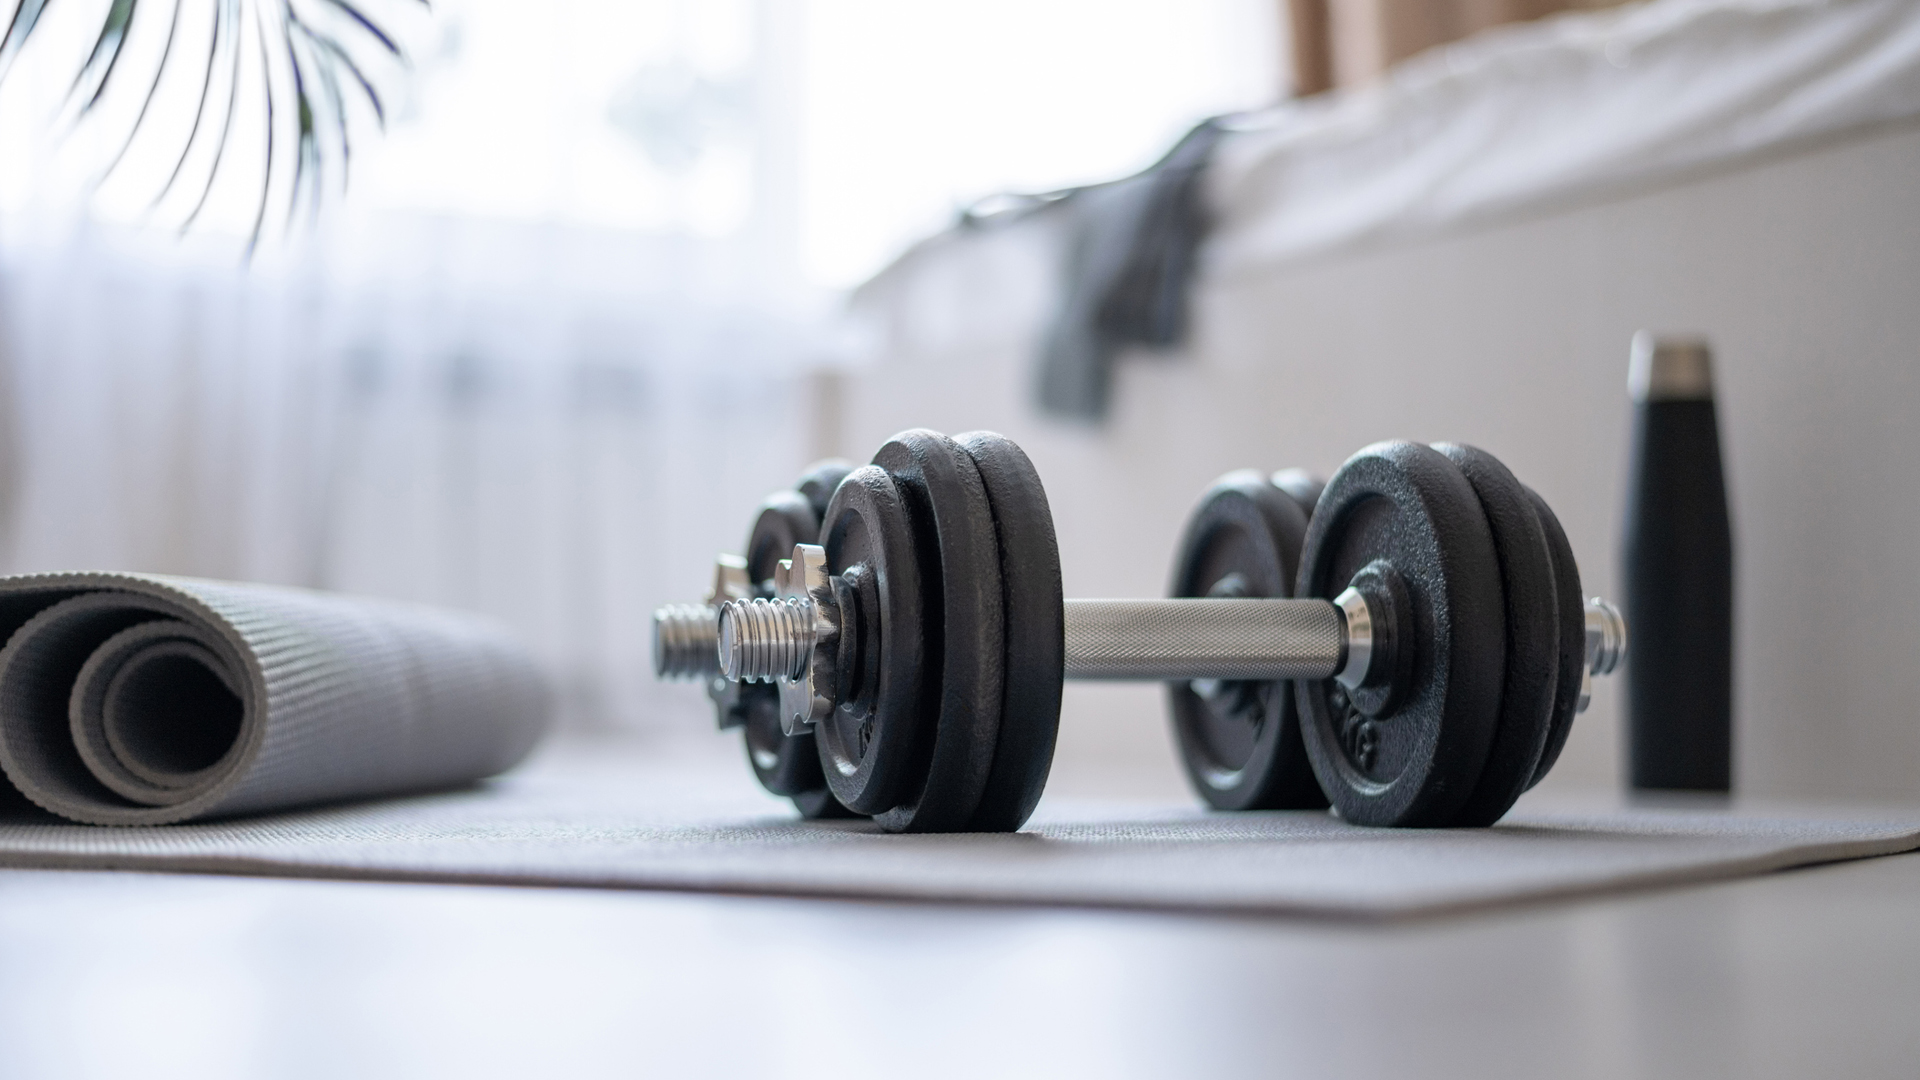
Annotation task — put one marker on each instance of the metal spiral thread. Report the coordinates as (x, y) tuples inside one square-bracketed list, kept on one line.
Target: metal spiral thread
[(684, 640), (1606, 636), (764, 640), (1606, 646)]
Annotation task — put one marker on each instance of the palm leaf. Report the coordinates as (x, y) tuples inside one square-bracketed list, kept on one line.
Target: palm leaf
[(199, 114), (314, 70), (266, 183), (106, 50), (26, 16), (153, 88), (234, 48), (307, 150)]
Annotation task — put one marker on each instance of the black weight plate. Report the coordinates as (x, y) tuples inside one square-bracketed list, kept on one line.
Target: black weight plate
[(784, 764), (871, 758), (960, 573), (785, 519), (1303, 486), (817, 483), (1409, 507), (820, 805), (1573, 636), (1533, 635), (1240, 740), (1034, 620)]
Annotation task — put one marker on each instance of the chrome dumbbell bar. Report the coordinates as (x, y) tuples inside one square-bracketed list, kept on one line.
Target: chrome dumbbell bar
[(779, 640)]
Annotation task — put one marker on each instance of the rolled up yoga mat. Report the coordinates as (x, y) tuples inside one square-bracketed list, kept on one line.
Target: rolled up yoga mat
[(143, 700)]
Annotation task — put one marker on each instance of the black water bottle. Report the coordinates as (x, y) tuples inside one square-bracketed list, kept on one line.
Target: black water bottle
[(1679, 574)]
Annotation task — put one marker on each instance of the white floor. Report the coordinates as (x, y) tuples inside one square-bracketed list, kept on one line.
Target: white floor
[(1809, 973)]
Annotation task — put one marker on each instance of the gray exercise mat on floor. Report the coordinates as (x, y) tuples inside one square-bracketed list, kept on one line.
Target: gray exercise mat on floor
[(142, 700), (602, 821)]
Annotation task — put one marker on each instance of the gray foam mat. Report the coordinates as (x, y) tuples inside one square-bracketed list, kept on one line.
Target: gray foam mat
[(142, 700), (607, 819)]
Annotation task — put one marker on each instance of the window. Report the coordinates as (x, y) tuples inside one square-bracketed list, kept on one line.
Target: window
[(823, 134)]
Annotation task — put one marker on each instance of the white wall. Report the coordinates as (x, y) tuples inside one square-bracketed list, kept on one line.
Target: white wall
[(1805, 272)]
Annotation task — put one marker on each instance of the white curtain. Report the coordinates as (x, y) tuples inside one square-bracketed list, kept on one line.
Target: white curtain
[(556, 426)]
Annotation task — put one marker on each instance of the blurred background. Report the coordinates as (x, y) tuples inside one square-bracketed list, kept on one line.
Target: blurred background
[(526, 307)]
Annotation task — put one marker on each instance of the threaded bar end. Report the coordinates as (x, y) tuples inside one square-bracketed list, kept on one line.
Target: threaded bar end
[(1606, 636), (764, 640), (684, 639)]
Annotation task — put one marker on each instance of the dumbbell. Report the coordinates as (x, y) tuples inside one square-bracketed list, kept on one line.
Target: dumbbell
[(1428, 614)]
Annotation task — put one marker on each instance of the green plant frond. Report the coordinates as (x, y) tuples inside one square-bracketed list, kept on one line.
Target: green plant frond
[(106, 51), (266, 184), (199, 113), (233, 106), (307, 148), (336, 102), (26, 16), (340, 56), (366, 24), (309, 73), (153, 88)]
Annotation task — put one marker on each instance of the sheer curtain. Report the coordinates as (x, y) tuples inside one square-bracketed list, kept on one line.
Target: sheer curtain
[(555, 426)]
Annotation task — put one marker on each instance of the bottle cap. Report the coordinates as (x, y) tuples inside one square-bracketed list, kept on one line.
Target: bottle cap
[(1670, 369)]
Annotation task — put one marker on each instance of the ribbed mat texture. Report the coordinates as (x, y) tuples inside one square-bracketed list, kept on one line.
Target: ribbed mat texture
[(641, 818), (143, 700)]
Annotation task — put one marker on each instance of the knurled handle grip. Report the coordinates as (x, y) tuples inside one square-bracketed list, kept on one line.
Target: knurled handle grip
[(1203, 639)]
